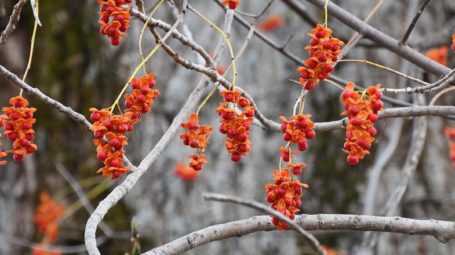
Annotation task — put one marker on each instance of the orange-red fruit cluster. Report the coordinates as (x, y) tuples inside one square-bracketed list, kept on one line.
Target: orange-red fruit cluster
[(450, 132), (453, 41), (271, 23), (362, 112), (284, 195), (185, 172), (297, 131), (47, 215), (324, 51), (440, 55), (42, 249), (109, 130), (109, 137), (235, 125), (232, 4), (140, 100), (17, 122), (114, 19), (197, 137)]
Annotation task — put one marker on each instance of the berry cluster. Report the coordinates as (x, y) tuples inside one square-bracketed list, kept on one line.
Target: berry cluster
[(47, 216), (450, 133), (109, 130), (185, 172), (453, 41), (42, 249), (440, 55), (284, 195), (17, 122), (324, 51), (114, 19), (271, 23), (232, 4), (197, 137), (362, 114), (296, 131), (140, 100), (236, 125)]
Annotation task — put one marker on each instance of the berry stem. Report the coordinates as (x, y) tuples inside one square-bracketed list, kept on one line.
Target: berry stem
[(364, 61), (326, 13), (96, 191), (143, 30), (32, 46), (112, 107), (206, 99), (228, 42)]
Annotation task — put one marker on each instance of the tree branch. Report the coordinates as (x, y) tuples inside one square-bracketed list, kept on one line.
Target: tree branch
[(414, 21), (442, 230), (263, 208), (13, 20)]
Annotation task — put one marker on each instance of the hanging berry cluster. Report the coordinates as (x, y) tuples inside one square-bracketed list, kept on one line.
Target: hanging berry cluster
[(47, 216), (114, 19), (109, 130), (236, 125), (453, 41), (362, 111), (285, 196), (296, 131), (232, 4), (324, 50), (450, 133), (197, 137), (185, 172), (17, 122)]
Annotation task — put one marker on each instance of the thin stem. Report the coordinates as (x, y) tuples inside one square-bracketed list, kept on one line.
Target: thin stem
[(414, 22), (441, 93), (206, 99), (112, 107), (32, 46), (326, 13), (364, 61), (226, 38), (143, 30)]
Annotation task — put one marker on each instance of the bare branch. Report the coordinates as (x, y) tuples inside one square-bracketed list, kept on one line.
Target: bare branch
[(77, 117), (13, 20), (442, 230), (414, 21), (263, 208)]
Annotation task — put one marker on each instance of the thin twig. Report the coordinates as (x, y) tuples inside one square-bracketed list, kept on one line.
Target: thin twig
[(314, 243), (414, 21), (13, 20)]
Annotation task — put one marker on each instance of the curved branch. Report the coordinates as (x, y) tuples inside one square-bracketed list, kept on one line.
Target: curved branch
[(261, 207), (442, 230)]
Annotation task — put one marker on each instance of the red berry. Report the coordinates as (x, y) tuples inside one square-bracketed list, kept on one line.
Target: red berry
[(101, 156), (373, 117), (356, 121), (95, 116), (236, 157), (115, 143), (285, 157), (296, 170), (310, 134), (18, 157), (353, 110), (287, 137), (353, 160)]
